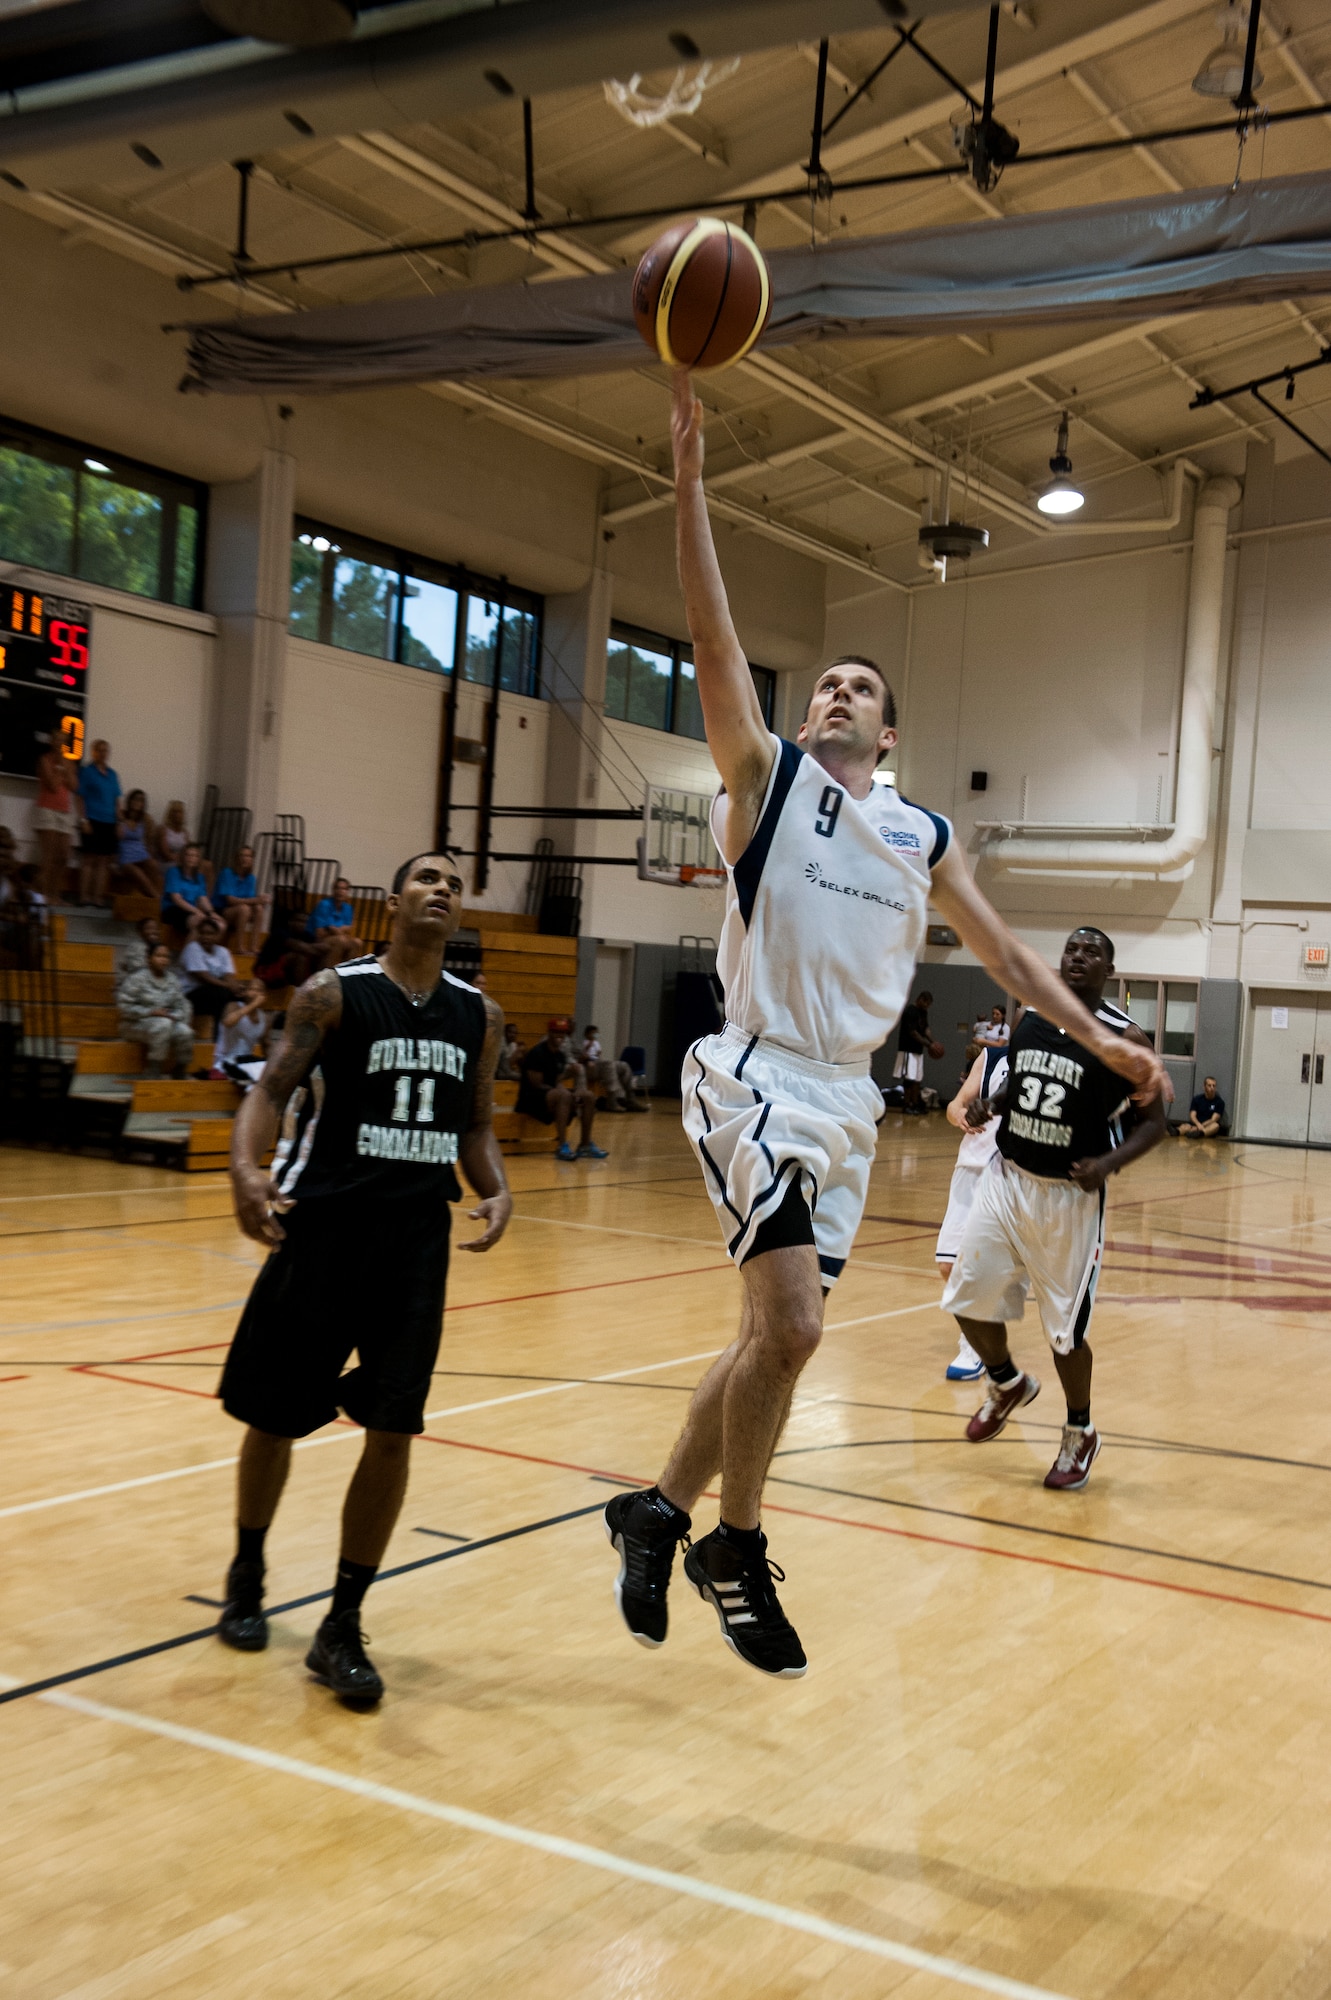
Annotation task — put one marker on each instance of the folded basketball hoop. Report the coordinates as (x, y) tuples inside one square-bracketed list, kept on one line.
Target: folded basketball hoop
[(676, 844)]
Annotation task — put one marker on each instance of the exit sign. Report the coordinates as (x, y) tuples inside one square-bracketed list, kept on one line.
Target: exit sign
[(1316, 957)]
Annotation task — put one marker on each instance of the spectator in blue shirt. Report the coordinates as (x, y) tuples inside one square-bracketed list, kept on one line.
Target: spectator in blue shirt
[(332, 925), (1206, 1113), (238, 902), (99, 807), (185, 902)]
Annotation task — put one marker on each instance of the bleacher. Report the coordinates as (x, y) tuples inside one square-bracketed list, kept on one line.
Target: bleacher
[(188, 1122)]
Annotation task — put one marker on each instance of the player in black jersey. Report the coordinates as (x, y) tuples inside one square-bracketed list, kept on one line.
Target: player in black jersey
[(383, 1082), (1037, 1222)]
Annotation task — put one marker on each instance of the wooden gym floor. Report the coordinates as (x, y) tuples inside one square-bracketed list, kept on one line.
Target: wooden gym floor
[(1075, 1745)]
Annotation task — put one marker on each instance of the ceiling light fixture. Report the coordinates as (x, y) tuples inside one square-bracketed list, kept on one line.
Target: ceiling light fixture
[(1221, 75), (95, 465), (1061, 495)]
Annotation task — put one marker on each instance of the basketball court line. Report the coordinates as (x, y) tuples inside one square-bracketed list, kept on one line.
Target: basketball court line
[(693, 1887), (15, 1690), (118, 1319)]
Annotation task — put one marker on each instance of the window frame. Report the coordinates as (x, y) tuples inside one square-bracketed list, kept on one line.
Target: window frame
[(172, 489), (405, 566), (680, 651), (1115, 989)]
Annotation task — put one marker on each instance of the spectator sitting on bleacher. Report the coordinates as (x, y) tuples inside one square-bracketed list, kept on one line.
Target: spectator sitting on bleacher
[(614, 1078), (132, 957), (185, 903), (238, 902), (553, 1090), (240, 1030), (207, 972), (332, 925), (155, 1013), (134, 836), (173, 836), (508, 1068), (284, 959), (53, 819)]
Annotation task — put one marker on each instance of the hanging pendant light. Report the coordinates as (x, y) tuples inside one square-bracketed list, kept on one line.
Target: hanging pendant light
[(1061, 495), (1221, 75), (297, 24)]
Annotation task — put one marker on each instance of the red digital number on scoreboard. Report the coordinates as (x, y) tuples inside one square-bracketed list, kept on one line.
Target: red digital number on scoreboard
[(69, 645)]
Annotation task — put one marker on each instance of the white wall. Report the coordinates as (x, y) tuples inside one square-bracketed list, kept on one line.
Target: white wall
[(1290, 779)]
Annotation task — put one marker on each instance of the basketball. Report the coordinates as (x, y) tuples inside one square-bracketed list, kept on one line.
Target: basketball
[(937, 1051), (701, 294)]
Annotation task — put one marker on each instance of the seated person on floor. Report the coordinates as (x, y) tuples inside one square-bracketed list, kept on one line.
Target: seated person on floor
[(155, 1013), (185, 901), (604, 1074), (238, 902), (553, 1090), (332, 925), (1206, 1114), (207, 972)]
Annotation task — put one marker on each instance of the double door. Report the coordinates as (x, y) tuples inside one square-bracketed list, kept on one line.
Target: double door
[(1289, 1070)]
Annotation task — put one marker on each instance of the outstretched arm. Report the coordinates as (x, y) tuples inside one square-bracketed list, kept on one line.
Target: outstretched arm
[(1016, 968), (479, 1152), (959, 1105), (315, 1008), (737, 736)]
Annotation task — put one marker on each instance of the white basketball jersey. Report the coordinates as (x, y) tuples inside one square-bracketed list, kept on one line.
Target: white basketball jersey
[(825, 912), (978, 1147)]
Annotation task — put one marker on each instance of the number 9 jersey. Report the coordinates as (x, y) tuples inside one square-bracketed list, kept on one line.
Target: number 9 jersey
[(826, 912)]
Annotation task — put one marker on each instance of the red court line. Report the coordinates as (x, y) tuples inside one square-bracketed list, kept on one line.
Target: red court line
[(135, 1382), (917, 1535), (605, 1285), (165, 1353), (13, 1378)]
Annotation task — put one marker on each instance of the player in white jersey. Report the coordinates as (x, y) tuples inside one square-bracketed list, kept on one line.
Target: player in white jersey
[(829, 879), (985, 1079)]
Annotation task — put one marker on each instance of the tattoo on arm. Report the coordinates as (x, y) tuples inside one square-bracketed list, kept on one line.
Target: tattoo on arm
[(482, 1100), (315, 1009)]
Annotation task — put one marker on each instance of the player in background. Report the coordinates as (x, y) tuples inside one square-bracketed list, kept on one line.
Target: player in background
[(1039, 1213), (829, 878), (969, 1111), (382, 1082)]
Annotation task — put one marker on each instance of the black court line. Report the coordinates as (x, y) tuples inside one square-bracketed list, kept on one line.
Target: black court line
[(441, 1534), (276, 1610), (1051, 1534), (192, 1597), (1133, 1439)]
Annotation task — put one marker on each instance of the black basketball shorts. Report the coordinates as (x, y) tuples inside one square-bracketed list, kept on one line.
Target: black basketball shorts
[(366, 1276)]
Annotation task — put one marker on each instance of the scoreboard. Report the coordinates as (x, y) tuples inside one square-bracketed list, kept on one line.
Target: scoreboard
[(43, 678)]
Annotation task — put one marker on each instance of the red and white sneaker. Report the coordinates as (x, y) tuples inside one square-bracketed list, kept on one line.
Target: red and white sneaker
[(1076, 1455), (1002, 1400)]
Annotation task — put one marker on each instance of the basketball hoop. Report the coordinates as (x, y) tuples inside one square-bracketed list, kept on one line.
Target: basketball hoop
[(676, 844), (702, 878), (681, 97)]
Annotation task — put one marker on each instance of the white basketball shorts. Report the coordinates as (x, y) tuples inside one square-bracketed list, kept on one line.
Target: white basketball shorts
[(908, 1068), (960, 1200), (758, 1117), (1027, 1232)]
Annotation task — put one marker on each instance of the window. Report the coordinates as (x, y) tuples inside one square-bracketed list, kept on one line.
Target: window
[(651, 680), (349, 592), (81, 513), (1164, 1010)]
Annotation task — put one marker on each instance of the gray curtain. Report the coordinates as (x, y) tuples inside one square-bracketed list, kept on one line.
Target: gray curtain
[(1120, 260)]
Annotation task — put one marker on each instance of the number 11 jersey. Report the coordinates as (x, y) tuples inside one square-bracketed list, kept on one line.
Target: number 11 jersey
[(826, 912)]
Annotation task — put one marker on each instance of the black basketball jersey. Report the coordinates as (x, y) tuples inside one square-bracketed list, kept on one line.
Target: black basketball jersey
[(1063, 1103), (382, 1114)]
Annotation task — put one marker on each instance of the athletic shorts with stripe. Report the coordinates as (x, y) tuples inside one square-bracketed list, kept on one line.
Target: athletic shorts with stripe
[(1025, 1232), (760, 1120)]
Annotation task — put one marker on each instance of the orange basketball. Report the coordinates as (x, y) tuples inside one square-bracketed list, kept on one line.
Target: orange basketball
[(701, 294), (937, 1051)]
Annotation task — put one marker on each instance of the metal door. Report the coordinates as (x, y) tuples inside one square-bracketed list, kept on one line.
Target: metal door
[(1282, 1064), (1319, 1118)]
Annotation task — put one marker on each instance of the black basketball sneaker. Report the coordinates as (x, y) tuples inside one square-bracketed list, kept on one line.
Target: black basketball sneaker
[(243, 1623), (644, 1529), (739, 1587), (338, 1659)]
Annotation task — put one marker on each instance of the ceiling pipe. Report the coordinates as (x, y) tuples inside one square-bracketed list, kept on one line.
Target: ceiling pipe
[(1172, 858)]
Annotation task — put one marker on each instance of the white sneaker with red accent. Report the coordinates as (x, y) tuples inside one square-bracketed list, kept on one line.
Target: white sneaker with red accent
[(1077, 1453), (1002, 1401)]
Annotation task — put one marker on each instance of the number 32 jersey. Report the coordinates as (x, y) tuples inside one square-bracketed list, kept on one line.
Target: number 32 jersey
[(826, 912), (1063, 1104)]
